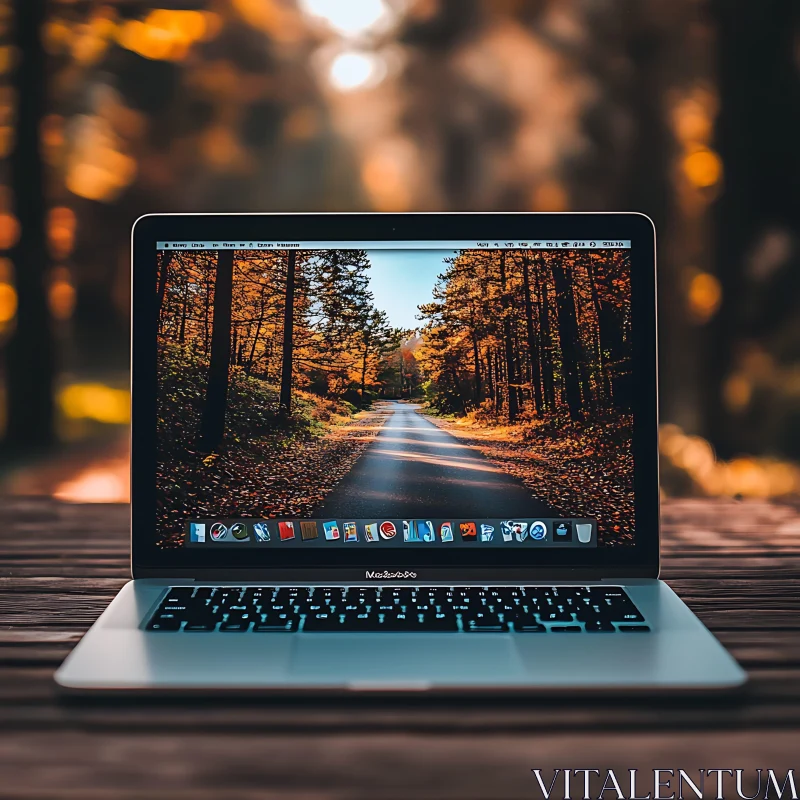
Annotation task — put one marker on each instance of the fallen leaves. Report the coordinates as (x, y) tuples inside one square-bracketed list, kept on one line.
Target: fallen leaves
[(580, 470), (266, 467)]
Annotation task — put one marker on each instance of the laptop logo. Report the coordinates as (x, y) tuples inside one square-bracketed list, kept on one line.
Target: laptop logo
[(389, 576)]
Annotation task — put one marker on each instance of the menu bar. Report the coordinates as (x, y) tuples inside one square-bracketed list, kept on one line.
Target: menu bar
[(491, 244)]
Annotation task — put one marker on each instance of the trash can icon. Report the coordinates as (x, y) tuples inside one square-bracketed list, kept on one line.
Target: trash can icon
[(584, 531)]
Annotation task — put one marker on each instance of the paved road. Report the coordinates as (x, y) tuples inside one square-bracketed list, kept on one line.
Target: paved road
[(414, 469)]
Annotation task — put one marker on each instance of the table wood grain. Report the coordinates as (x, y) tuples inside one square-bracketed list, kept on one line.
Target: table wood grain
[(737, 565)]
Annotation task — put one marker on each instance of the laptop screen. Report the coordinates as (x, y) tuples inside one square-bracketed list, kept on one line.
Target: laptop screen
[(394, 394)]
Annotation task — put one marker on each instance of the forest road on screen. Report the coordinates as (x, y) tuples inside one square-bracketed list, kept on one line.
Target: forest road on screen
[(415, 470)]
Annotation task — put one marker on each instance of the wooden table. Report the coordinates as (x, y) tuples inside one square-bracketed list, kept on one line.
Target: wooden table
[(736, 564)]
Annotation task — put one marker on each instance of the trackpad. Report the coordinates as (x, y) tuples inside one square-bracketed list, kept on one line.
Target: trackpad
[(383, 658)]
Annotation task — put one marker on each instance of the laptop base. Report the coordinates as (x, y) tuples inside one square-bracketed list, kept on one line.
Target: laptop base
[(677, 654)]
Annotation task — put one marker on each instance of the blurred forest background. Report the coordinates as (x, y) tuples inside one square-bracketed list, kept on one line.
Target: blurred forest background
[(687, 110)]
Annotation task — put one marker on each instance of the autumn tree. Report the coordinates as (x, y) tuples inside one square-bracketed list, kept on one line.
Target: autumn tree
[(377, 338), (542, 332), (30, 352), (568, 335), (288, 334), (213, 421)]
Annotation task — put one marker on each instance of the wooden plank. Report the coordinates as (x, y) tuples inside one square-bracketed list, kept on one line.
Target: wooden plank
[(772, 701), (90, 765), (735, 564)]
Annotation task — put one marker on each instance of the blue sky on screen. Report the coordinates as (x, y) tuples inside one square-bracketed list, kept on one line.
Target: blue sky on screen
[(402, 279)]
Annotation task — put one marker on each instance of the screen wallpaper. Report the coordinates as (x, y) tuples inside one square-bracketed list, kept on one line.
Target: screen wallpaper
[(394, 397)]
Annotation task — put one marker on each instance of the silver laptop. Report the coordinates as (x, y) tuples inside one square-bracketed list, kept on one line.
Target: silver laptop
[(395, 453)]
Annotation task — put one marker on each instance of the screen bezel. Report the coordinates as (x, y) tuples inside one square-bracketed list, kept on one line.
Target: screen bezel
[(638, 560)]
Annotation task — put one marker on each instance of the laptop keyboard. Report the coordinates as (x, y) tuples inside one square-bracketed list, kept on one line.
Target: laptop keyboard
[(468, 609)]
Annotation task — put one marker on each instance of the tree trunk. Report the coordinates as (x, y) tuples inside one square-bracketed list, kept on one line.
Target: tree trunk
[(518, 364), (213, 422), (364, 370), (288, 334), (545, 334), (184, 313), (30, 357), (489, 378), (513, 400), (602, 345), (568, 335), (206, 331), (476, 355), (498, 377), (533, 345), (260, 323), (757, 68)]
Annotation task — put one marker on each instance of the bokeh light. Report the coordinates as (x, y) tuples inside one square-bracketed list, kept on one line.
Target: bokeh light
[(105, 483), (743, 476), (350, 18), (354, 69), (61, 296), (705, 296), (61, 225), (8, 302), (703, 168), (95, 401), (9, 231)]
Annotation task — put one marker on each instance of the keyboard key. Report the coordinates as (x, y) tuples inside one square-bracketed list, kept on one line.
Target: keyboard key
[(287, 627), (600, 627), (200, 626), (634, 628), (482, 618), (631, 616), (179, 595), (566, 629), (236, 626), (164, 624), (529, 627), (556, 616), (500, 627)]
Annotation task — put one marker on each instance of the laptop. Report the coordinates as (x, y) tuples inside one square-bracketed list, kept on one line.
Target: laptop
[(395, 453)]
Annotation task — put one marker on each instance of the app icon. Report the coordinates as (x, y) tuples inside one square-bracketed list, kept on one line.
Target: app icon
[(331, 530), (371, 532), (261, 531), (286, 530), (350, 532), (239, 531), (562, 532), (538, 530), (388, 530), (218, 532), (197, 531), (584, 531), (469, 533), (425, 530), (446, 531), (487, 532), (516, 529), (308, 530), (409, 531)]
